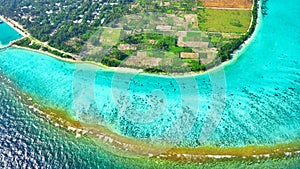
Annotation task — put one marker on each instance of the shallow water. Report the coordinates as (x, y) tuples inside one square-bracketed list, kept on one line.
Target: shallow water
[(253, 100), (28, 141), (8, 34)]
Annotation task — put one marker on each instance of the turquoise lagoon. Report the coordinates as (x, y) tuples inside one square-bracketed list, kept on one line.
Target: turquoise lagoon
[(253, 100), (8, 34)]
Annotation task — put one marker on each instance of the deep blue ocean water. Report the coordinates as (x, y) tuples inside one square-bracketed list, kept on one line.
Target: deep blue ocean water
[(255, 99)]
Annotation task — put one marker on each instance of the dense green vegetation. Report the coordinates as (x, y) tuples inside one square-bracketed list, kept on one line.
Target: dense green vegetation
[(65, 25)]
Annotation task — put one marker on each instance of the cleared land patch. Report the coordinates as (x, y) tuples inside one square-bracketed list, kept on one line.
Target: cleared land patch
[(110, 36), (228, 3)]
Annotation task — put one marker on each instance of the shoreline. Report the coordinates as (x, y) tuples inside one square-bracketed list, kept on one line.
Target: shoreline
[(15, 25), (43, 52), (173, 154), (106, 68), (235, 53), (246, 43)]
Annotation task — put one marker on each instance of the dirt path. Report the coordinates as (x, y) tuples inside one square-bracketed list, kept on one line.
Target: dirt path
[(221, 8)]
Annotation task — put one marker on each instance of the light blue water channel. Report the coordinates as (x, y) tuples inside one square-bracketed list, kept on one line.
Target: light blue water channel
[(7, 34)]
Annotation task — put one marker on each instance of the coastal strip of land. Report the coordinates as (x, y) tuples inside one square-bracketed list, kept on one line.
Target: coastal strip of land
[(122, 68), (75, 58), (19, 28)]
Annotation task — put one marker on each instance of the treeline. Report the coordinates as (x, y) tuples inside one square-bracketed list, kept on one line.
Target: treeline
[(167, 69), (225, 51), (26, 42), (194, 66), (114, 58)]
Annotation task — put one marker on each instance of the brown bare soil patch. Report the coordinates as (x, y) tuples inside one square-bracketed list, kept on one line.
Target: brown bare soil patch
[(228, 3), (143, 61), (188, 55)]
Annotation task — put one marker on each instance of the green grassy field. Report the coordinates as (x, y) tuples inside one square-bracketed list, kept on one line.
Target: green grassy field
[(161, 54), (233, 21), (110, 36)]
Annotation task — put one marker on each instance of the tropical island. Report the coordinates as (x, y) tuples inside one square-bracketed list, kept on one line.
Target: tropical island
[(153, 36), (255, 125)]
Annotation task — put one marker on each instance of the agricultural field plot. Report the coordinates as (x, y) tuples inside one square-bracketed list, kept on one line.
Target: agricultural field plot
[(151, 21), (144, 59), (161, 54), (228, 3), (110, 36), (233, 21), (171, 42), (208, 56), (193, 36)]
